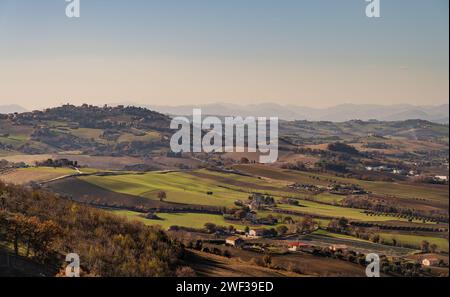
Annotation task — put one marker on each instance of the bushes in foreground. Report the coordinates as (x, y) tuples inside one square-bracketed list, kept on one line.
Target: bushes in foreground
[(45, 227)]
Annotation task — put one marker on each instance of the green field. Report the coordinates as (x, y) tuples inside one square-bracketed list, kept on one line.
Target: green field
[(243, 183), (148, 136), (87, 133), (180, 188), (328, 198), (191, 220), (14, 140), (415, 240), (187, 188), (41, 170)]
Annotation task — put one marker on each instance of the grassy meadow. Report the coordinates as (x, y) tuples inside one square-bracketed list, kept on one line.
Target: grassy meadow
[(179, 187), (415, 240), (190, 220)]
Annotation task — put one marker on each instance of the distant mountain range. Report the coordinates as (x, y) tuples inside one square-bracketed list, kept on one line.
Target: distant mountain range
[(12, 108), (339, 113)]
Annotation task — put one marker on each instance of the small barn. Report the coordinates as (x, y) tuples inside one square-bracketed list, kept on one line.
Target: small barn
[(235, 241), (294, 246), (338, 247), (430, 261), (257, 232)]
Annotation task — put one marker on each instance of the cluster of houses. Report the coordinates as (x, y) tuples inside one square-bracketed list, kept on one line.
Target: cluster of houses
[(307, 187), (387, 169), (430, 261), (295, 246), (346, 189), (441, 178), (252, 219), (300, 246), (235, 241), (238, 241), (292, 246), (259, 201), (340, 189), (411, 173)]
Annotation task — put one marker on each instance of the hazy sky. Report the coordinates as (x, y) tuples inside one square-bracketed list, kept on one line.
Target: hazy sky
[(170, 52)]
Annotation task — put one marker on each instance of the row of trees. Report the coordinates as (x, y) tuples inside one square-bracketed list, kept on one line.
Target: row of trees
[(384, 206)]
